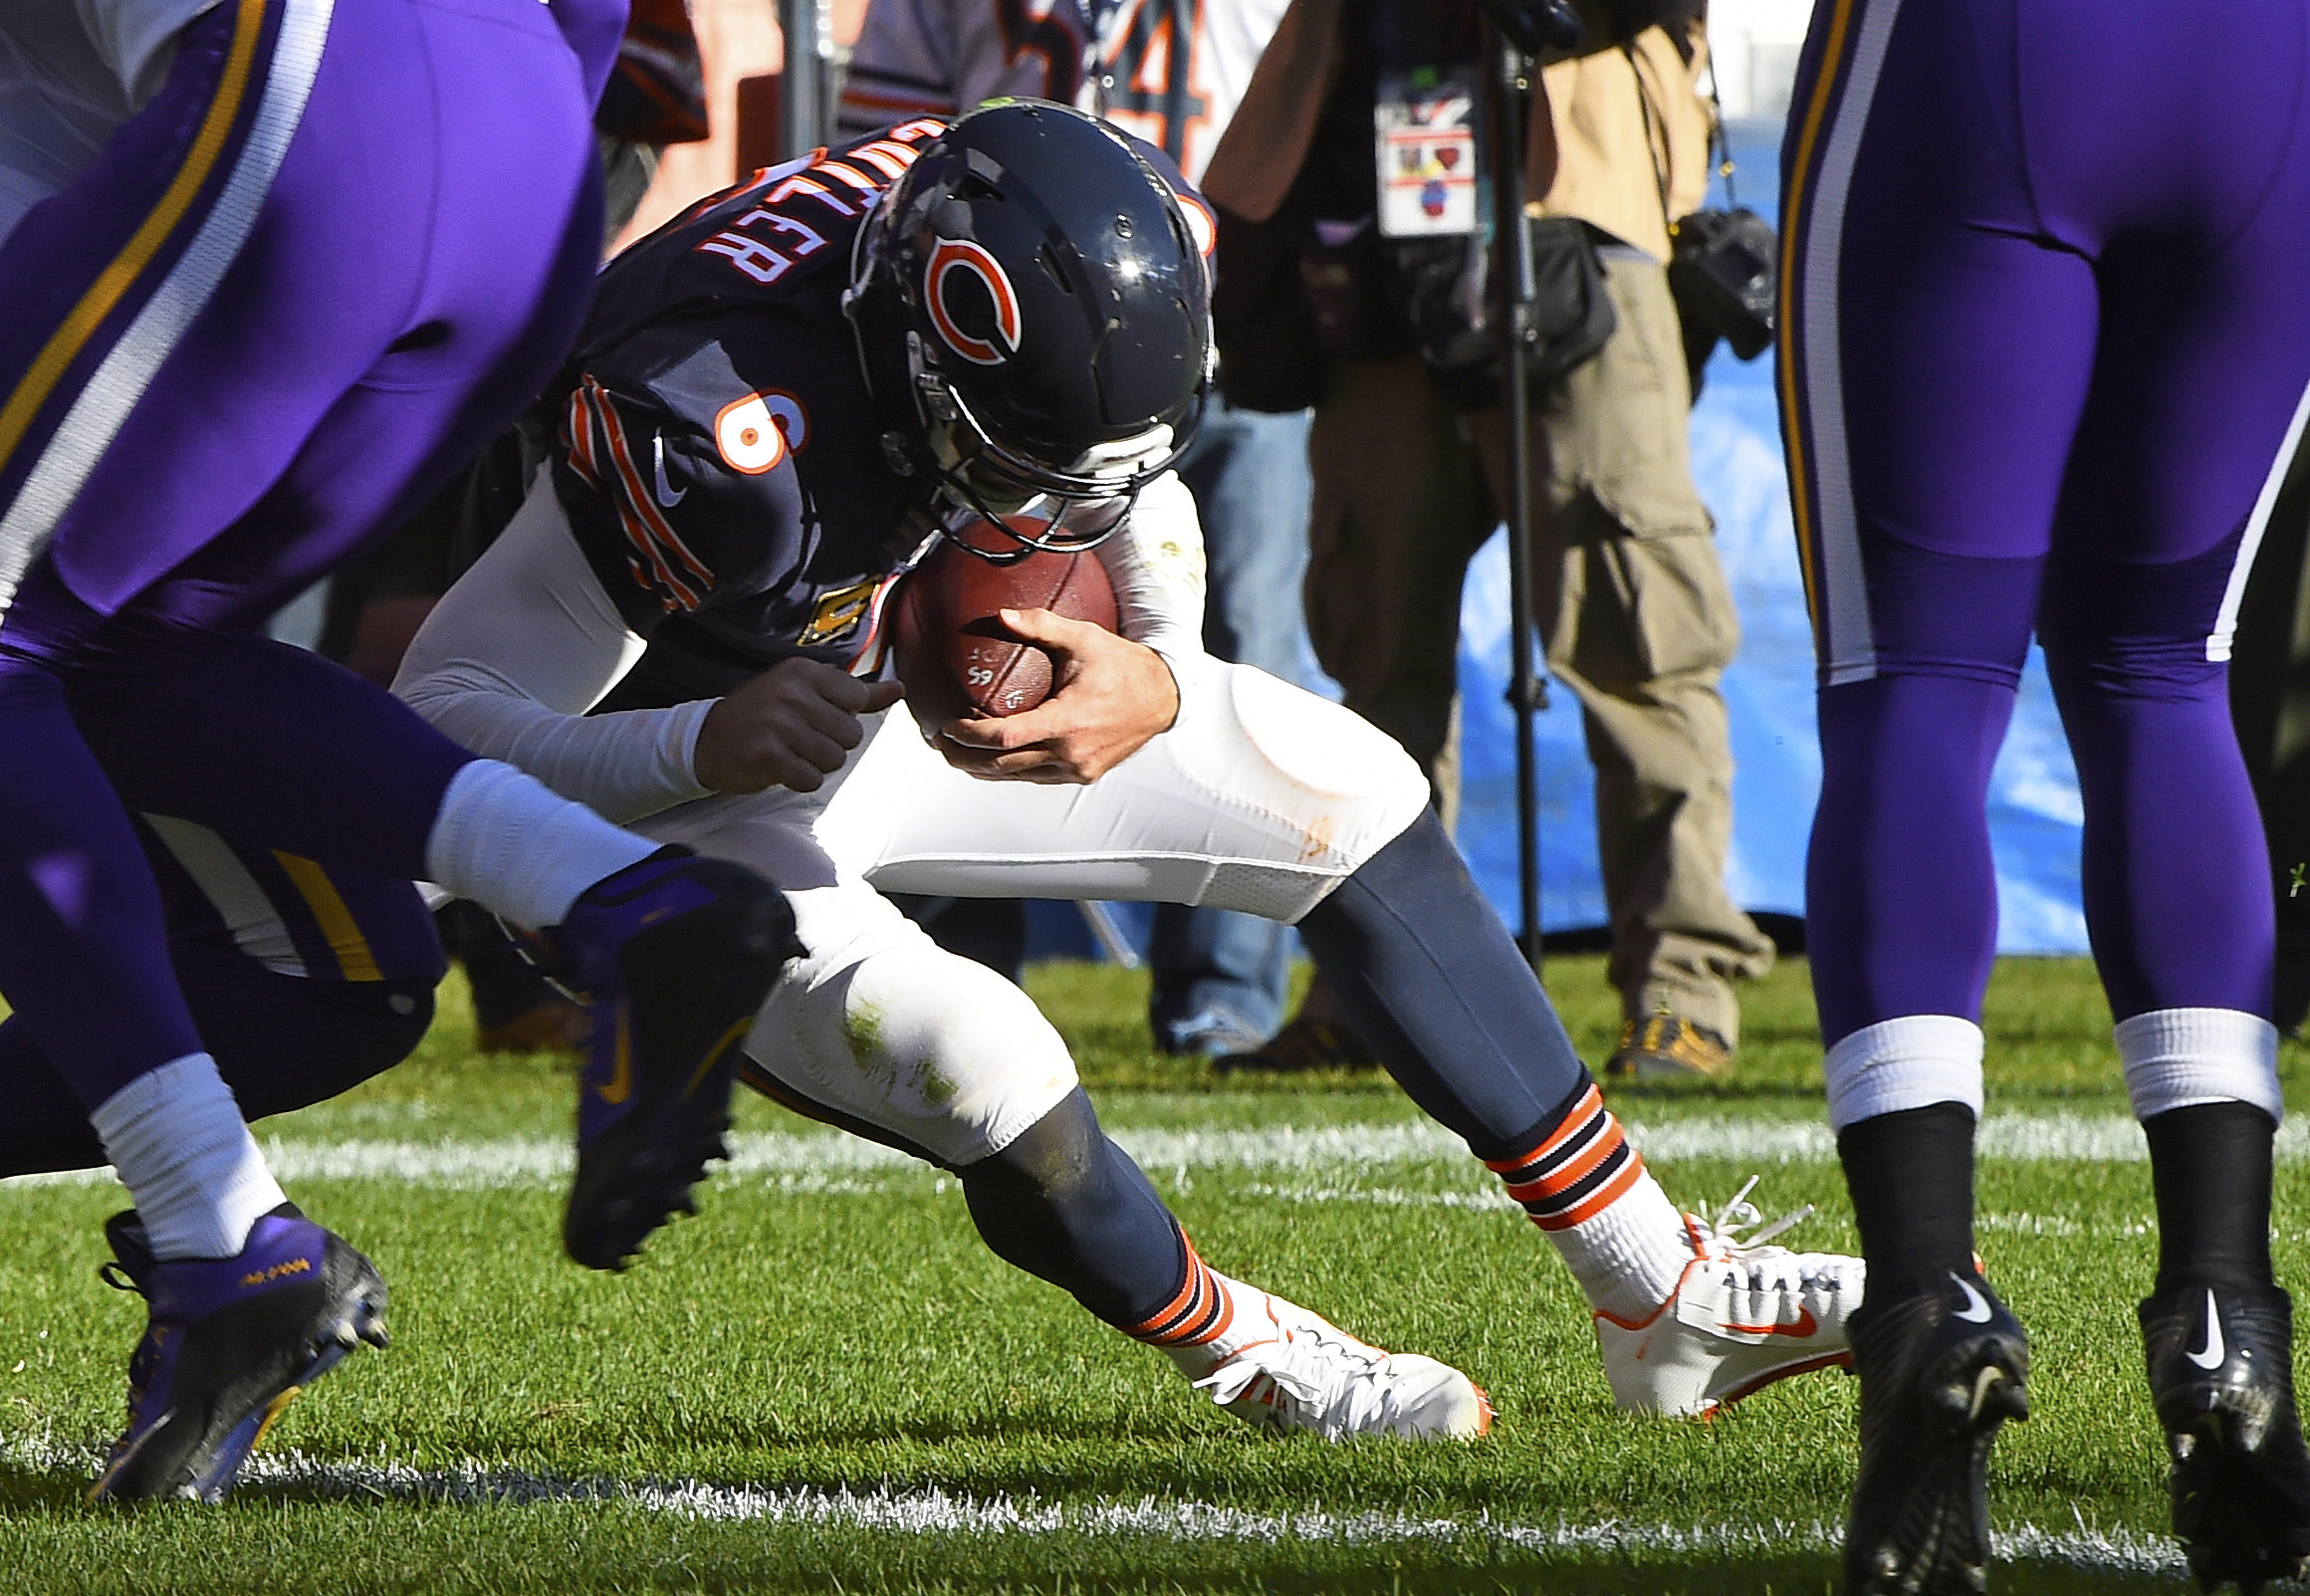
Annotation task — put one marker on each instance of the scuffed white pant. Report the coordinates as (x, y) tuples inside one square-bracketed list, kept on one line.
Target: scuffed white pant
[(1260, 798)]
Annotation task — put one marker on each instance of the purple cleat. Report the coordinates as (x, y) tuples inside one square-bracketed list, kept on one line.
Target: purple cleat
[(674, 955), (229, 1343)]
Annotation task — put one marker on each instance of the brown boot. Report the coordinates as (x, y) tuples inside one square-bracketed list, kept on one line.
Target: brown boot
[(1665, 1046)]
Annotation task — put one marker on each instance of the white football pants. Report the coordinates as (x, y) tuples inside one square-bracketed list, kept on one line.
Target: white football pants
[(1261, 798)]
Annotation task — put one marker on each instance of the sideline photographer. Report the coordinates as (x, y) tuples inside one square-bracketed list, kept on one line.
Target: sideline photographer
[(1350, 277)]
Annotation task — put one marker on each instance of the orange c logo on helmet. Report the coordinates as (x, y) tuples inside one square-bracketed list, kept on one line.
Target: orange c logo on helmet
[(961, 254)]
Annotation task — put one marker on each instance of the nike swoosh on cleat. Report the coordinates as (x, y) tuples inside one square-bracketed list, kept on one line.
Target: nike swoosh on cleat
[(735, 1034), (1802, 1325), (1977, 1309), (2211, 1358), (621, 1083), (667, 497)]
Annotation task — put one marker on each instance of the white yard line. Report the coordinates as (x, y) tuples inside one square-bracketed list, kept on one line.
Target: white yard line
[(828, 1157), (930, 1511)]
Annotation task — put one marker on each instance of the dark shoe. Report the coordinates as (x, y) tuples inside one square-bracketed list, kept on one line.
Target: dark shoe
[(1303, 1044), (1939, 1372), (2222, 1374), (228, 1344), (1665, 1046), (676, 956)]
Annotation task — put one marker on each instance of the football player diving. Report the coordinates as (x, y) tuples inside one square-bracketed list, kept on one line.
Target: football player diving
[(998, 330), (272, 268)]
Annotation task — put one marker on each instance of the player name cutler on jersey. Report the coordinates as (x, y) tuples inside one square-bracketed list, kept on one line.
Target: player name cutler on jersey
[(719, 454)]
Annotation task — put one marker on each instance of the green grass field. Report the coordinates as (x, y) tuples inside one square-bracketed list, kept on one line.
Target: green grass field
[(825, 1383)]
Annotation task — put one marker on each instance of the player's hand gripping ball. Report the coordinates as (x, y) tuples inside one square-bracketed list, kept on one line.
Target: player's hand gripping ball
[(954, 654), (1017, 672)]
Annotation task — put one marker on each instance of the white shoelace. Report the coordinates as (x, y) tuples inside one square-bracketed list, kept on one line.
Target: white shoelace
[(1721, 1238), (1322, 1382), (1718, 1236)]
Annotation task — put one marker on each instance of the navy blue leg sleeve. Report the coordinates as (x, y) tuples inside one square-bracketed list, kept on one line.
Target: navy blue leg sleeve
[(1435, 985), (1069, 1205)]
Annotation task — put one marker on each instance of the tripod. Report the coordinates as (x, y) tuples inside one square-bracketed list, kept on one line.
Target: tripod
[(1515, 31)]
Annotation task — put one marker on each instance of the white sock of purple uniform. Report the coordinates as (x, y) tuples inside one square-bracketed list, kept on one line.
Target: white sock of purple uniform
[(515, 846), (177, 1140)]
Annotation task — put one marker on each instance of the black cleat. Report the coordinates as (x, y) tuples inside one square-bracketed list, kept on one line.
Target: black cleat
[(1939, 1372), (228, 1344), (675, 955), (2222, 1374)]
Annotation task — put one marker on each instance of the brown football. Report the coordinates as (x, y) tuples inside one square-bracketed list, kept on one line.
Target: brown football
[(954, 655)]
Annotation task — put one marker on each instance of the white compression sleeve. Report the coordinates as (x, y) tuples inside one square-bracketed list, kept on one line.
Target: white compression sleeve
[(518, 651), (1155, 565)]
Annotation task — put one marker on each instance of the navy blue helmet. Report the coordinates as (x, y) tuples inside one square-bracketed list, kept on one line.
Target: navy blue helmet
[(1032, 310)]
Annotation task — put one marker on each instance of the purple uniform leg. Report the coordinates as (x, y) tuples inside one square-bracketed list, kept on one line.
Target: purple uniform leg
[(2045, 341), (341, 245), (2045, 355), (304, 982)]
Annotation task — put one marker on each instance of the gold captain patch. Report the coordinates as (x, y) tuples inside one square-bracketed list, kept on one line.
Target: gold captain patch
[(839, 612)]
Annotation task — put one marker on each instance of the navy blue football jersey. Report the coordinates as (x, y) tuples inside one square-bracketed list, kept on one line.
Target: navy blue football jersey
[(720, 456)]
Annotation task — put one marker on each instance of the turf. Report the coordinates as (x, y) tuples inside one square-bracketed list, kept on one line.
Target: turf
[(825, 1383)]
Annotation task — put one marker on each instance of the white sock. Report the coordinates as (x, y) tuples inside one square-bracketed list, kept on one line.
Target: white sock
[(1618, 1232), (515, 846), (178, 1141), (1912, 1062), (2179, 1056)]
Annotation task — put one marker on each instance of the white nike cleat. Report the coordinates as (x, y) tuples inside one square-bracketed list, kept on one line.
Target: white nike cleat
[(1310, 1375), (1744, 1313)]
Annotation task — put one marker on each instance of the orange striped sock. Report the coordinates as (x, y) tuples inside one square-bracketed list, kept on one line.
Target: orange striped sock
[(1577, 1171), (1199, 1313), (1587, 1188)]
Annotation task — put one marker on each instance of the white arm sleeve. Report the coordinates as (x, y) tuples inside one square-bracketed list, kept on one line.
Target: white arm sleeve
[(1155, 565), (518, 651)]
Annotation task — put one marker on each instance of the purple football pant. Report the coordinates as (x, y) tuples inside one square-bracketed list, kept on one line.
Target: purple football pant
[(339, 249), (304, 982), (2045, 335)]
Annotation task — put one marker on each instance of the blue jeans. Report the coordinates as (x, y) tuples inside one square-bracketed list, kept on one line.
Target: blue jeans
[(1215, 970)]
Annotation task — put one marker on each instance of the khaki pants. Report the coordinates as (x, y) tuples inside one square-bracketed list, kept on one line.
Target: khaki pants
[(1632, 606)]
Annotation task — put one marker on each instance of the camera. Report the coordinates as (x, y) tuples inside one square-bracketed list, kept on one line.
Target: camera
[(1720, 270)]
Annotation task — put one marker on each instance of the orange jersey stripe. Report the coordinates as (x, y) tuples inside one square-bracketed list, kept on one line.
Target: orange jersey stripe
[(648, 560), (638, 491)]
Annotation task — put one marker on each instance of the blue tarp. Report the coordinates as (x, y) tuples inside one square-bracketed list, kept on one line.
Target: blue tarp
[(2034, 811)]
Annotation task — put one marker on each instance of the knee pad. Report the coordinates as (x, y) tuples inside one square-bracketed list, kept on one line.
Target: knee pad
[(879, 1023), (1347, 787), (1930, 613), (2139, 631)]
